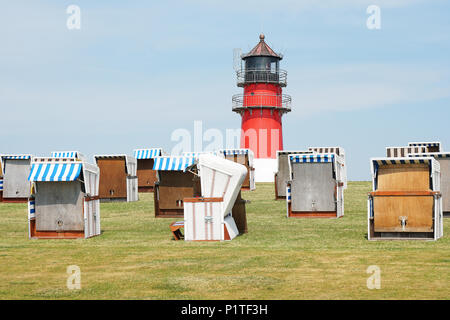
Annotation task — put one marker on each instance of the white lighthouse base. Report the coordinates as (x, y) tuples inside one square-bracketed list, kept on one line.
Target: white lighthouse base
[(265, 169)]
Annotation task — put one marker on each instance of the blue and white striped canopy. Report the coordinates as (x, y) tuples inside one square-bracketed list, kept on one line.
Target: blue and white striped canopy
[(381, 162), (287, 152), (64, 154), (322, 158), (1, 184), (173, 163), (17, 157), (441, 155), (434, 155), (110, 156), (147, 153), (230, 152), (55, 171), (424, 144)]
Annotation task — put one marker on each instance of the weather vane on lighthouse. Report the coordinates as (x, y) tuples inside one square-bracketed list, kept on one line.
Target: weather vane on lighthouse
[(262, 106)]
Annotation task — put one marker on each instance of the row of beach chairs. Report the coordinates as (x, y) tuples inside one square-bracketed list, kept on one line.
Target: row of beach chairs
[(409, 197)]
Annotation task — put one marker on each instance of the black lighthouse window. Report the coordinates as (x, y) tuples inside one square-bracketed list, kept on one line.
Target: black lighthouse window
[(261, 63), (261, 69)]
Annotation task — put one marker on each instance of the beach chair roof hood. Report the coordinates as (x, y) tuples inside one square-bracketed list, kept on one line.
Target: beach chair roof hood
[(221, 178)]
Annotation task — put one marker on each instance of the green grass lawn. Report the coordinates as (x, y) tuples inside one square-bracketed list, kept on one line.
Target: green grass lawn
[(280, 258)]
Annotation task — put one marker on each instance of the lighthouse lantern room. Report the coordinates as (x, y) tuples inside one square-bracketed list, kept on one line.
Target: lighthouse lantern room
[(261, 107)]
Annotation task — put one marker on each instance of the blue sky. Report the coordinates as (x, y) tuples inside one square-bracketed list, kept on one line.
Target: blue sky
[(138, 70)]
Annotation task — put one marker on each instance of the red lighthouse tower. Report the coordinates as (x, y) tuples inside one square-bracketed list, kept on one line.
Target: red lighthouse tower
[(262, 106)]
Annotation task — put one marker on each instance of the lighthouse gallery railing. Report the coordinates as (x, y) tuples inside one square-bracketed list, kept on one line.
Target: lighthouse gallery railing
[(247, 76), (272, 101)]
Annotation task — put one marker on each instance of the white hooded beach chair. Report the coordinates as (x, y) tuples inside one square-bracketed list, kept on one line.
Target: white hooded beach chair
[(209, 217)]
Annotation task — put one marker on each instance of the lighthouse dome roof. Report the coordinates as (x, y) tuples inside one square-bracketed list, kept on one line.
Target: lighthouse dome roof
[(262, 49)]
